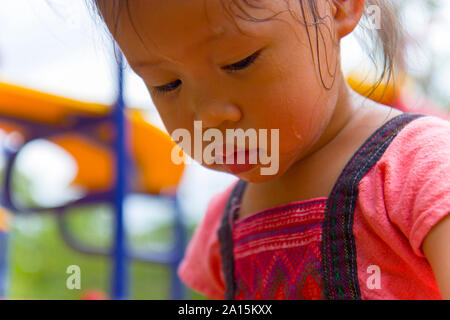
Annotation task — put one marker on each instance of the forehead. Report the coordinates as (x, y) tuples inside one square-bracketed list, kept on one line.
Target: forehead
[(175, 27)]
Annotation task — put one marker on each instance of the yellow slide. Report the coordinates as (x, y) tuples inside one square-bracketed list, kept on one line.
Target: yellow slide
[(150, 148)]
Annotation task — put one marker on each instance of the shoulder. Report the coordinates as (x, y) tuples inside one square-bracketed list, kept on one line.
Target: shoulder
[(414, 177), (421, 148), (431, 131), (201, 267)]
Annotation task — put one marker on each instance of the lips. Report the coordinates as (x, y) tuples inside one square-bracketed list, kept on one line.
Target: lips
[(241, 161)]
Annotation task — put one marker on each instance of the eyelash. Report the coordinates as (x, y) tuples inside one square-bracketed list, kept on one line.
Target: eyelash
[(243, 64)]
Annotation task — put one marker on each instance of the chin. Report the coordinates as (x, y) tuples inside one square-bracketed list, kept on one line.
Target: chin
[(252, 176), (255, 176)]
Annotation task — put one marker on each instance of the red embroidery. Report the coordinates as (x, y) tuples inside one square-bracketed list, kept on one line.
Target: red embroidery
[(278, 253)]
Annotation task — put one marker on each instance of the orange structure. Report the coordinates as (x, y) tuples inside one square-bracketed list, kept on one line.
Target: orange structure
[(150, 147)]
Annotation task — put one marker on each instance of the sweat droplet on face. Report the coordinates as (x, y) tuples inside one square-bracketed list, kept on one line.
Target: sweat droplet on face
[(294, 127), (297, 132)]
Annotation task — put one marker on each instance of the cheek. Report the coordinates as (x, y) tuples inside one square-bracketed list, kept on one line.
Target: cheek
[(300, 110), (170, 113), (173, 117)]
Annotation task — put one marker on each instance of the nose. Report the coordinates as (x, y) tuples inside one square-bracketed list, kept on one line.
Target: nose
[(214, 114)]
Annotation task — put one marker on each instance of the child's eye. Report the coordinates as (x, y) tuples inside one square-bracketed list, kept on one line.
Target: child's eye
[(233, 67), (243, 64), (168, 87)]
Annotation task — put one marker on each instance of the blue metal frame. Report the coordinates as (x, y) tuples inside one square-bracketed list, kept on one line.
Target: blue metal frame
[(120, 282), (120, 253), (177, 287), (4, 252)]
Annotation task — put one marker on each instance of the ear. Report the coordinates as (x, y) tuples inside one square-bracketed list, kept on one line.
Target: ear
[(347, 14)]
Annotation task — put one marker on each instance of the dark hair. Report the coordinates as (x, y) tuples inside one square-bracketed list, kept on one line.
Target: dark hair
[(382, 45), (386, 42)]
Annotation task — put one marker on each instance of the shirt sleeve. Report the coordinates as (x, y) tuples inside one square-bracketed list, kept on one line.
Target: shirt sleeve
[(201, 267), (417, 178)]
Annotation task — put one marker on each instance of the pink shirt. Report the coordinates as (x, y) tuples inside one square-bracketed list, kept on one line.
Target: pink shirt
[(404, 194)]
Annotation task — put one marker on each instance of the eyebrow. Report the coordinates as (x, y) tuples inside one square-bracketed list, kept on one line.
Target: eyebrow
[(211, 38)]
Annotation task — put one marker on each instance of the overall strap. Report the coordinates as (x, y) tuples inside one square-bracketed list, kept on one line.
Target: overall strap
[(338, 243), (226, 237)]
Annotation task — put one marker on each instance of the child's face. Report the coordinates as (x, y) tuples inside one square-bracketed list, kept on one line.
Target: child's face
[(165, 42)]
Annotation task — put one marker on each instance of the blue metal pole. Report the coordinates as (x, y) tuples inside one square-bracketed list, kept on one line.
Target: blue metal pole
[(4, 253), (120, 274), (178, 290), (10, 153)]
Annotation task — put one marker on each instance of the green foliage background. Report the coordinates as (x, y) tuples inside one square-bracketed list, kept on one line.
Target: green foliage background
[(39, 261)]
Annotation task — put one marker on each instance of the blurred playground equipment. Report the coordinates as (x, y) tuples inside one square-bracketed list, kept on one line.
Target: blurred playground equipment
[(4, 229), (117, 152), (400, 94)]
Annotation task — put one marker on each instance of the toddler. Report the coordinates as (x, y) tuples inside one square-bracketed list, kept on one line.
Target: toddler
[(358, 205)]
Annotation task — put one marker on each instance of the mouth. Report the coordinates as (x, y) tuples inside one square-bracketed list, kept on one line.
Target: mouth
[(240, 161)]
